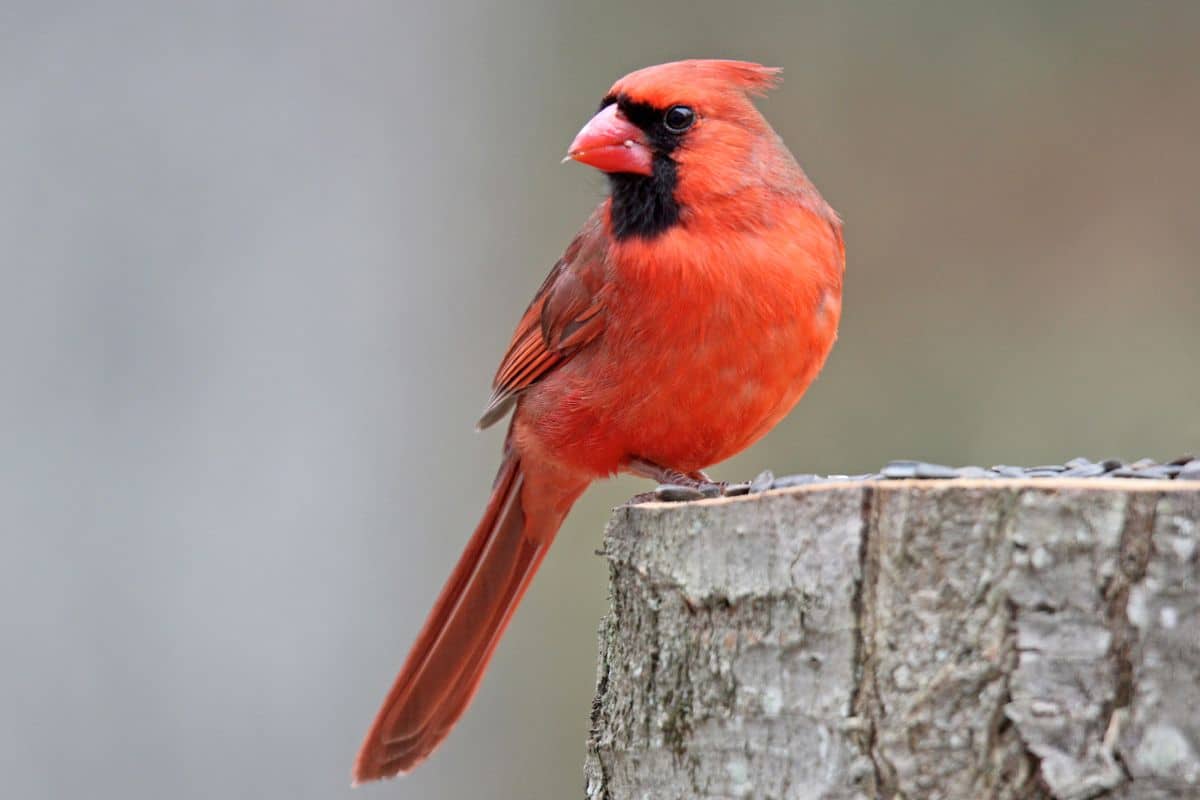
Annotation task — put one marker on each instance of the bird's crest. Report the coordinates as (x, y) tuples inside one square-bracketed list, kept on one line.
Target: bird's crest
[(705, 75)]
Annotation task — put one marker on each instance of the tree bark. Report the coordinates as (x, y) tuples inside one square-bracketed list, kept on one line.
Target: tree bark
[(904, 639)]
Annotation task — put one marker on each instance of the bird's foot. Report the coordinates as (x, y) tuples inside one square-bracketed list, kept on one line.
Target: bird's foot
[(680, 487)]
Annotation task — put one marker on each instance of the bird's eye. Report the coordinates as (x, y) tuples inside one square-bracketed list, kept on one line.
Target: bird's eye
[(678, 119)]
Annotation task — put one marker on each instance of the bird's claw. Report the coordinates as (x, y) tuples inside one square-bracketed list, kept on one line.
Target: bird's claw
[(681, 487), (685, 492)]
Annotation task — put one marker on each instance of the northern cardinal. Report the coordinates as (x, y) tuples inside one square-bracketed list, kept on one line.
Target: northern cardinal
[(683, 322)]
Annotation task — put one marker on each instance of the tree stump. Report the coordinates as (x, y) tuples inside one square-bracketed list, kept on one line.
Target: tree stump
[(904, 639)]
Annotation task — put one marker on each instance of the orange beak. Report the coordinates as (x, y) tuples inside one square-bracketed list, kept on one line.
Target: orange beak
[(611, 143)]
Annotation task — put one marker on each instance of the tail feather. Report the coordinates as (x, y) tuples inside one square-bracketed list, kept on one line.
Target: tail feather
[(446, 664)]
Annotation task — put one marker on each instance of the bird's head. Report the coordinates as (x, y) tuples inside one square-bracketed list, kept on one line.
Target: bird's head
[(673, 136)]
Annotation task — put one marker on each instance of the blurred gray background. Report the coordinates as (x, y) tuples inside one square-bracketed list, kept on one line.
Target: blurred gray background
[(260, 260)]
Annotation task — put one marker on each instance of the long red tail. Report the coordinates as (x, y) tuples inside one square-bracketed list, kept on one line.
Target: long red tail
[(446, 664)]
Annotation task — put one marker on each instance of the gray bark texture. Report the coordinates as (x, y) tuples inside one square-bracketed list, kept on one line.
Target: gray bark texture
[(904, 639)]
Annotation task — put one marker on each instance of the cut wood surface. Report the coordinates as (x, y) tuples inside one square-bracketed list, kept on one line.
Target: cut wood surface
[(904, 639)]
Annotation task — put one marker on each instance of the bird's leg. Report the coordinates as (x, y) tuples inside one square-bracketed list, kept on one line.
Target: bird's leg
[(646, 469), (673, 484)]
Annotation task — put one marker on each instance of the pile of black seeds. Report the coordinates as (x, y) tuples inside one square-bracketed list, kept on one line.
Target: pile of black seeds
[(1184, 468)]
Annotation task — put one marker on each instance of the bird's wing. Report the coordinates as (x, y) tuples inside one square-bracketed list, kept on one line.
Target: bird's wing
[(566, 314)]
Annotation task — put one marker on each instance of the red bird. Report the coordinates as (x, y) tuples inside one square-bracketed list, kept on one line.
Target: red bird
[(683, 322)]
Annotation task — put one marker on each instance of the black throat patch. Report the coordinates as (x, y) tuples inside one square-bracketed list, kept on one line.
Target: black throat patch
[(645, 205)]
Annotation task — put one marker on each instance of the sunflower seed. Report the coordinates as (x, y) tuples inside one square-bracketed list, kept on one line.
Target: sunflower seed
[(935, 471), (673, 493), (762, 481), (796, 480)]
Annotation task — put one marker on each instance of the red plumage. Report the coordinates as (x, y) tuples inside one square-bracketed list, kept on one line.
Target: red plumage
[(683, 322)]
